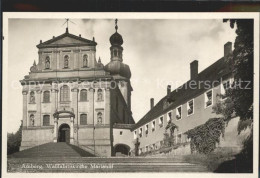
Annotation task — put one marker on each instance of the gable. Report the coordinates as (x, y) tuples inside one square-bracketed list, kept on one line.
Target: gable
[(67, 39)]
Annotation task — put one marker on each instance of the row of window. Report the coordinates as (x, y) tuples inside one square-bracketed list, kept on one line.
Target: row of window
[(208, 101), (65, 95), (66, 61), (83, 119)]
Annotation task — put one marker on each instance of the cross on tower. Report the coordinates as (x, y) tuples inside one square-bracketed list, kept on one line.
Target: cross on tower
[(67, 22), (116, 27)]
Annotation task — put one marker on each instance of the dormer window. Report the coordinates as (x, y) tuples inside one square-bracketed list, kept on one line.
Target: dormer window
[(85, 60), (66, 61), (190, 107), (47, 62)]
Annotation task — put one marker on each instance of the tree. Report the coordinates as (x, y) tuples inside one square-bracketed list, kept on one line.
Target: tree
[(169, 139), (14, 141), (240, 95)]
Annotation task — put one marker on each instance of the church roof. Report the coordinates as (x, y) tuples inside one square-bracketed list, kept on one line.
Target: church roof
[(66, 40), (214, 72)]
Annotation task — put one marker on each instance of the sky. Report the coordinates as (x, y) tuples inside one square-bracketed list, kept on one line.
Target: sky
[(158, 52)]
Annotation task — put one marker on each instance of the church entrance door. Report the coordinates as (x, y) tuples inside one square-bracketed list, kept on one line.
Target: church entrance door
[(64, 133)]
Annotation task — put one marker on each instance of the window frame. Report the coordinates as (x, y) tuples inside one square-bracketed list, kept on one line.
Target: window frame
[(146, 129), (177, 112), (153, 125), (161, 121), (80, 119), (189, 108), (43, 119), (49, 99), (206, 98), (140, 132), (62, 94), (135, 134), (168, 117), (81, 99)]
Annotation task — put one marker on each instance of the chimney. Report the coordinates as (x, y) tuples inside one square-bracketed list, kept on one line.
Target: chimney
[(227, 49), (168, 89), (194, 69), (152, 102)]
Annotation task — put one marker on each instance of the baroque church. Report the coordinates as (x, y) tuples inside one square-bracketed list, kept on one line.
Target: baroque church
[(70, 96)]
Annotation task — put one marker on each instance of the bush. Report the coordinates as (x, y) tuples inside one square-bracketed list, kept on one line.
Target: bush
[(14, 141), (205, 137)]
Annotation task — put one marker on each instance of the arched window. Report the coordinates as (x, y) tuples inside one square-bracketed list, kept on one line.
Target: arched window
[(32, 120), (46, 96), (32, 97), (100, 95), (46, 120), (66, 61), (99, 118), (115, 53), (85, 60), (64, 93), (83, 119), (83, 95), (47, 62)]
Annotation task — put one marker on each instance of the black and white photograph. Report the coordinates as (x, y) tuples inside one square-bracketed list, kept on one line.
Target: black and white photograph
[(130, 93)]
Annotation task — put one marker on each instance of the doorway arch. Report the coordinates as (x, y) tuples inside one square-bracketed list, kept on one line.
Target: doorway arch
[(64, 133), (122, 149)]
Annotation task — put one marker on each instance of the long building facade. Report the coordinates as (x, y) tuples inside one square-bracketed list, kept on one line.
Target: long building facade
[(70, 96)]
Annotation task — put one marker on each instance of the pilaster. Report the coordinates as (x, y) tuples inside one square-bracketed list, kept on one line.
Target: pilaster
[(91, 106), (25, 93), (38, 107), (107, 106), (74, 100), (54, 96)]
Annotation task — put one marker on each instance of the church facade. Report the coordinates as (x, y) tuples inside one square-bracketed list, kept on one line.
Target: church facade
[(70, 96)]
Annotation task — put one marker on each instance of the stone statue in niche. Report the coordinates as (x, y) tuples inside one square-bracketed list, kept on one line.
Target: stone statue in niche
[(85, 60), (32, 97), (99, 121), (66, 61), (47, 63), (100, 95), (32, 119)]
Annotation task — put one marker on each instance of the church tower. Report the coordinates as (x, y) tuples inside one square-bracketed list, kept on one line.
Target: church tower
[(120, 71)]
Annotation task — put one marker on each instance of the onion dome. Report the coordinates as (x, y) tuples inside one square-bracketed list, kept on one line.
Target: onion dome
[(118, 68), (116, 39)]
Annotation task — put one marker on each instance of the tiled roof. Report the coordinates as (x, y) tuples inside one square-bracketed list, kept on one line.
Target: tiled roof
[(216, 71), (123, 126), (82, 40)]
